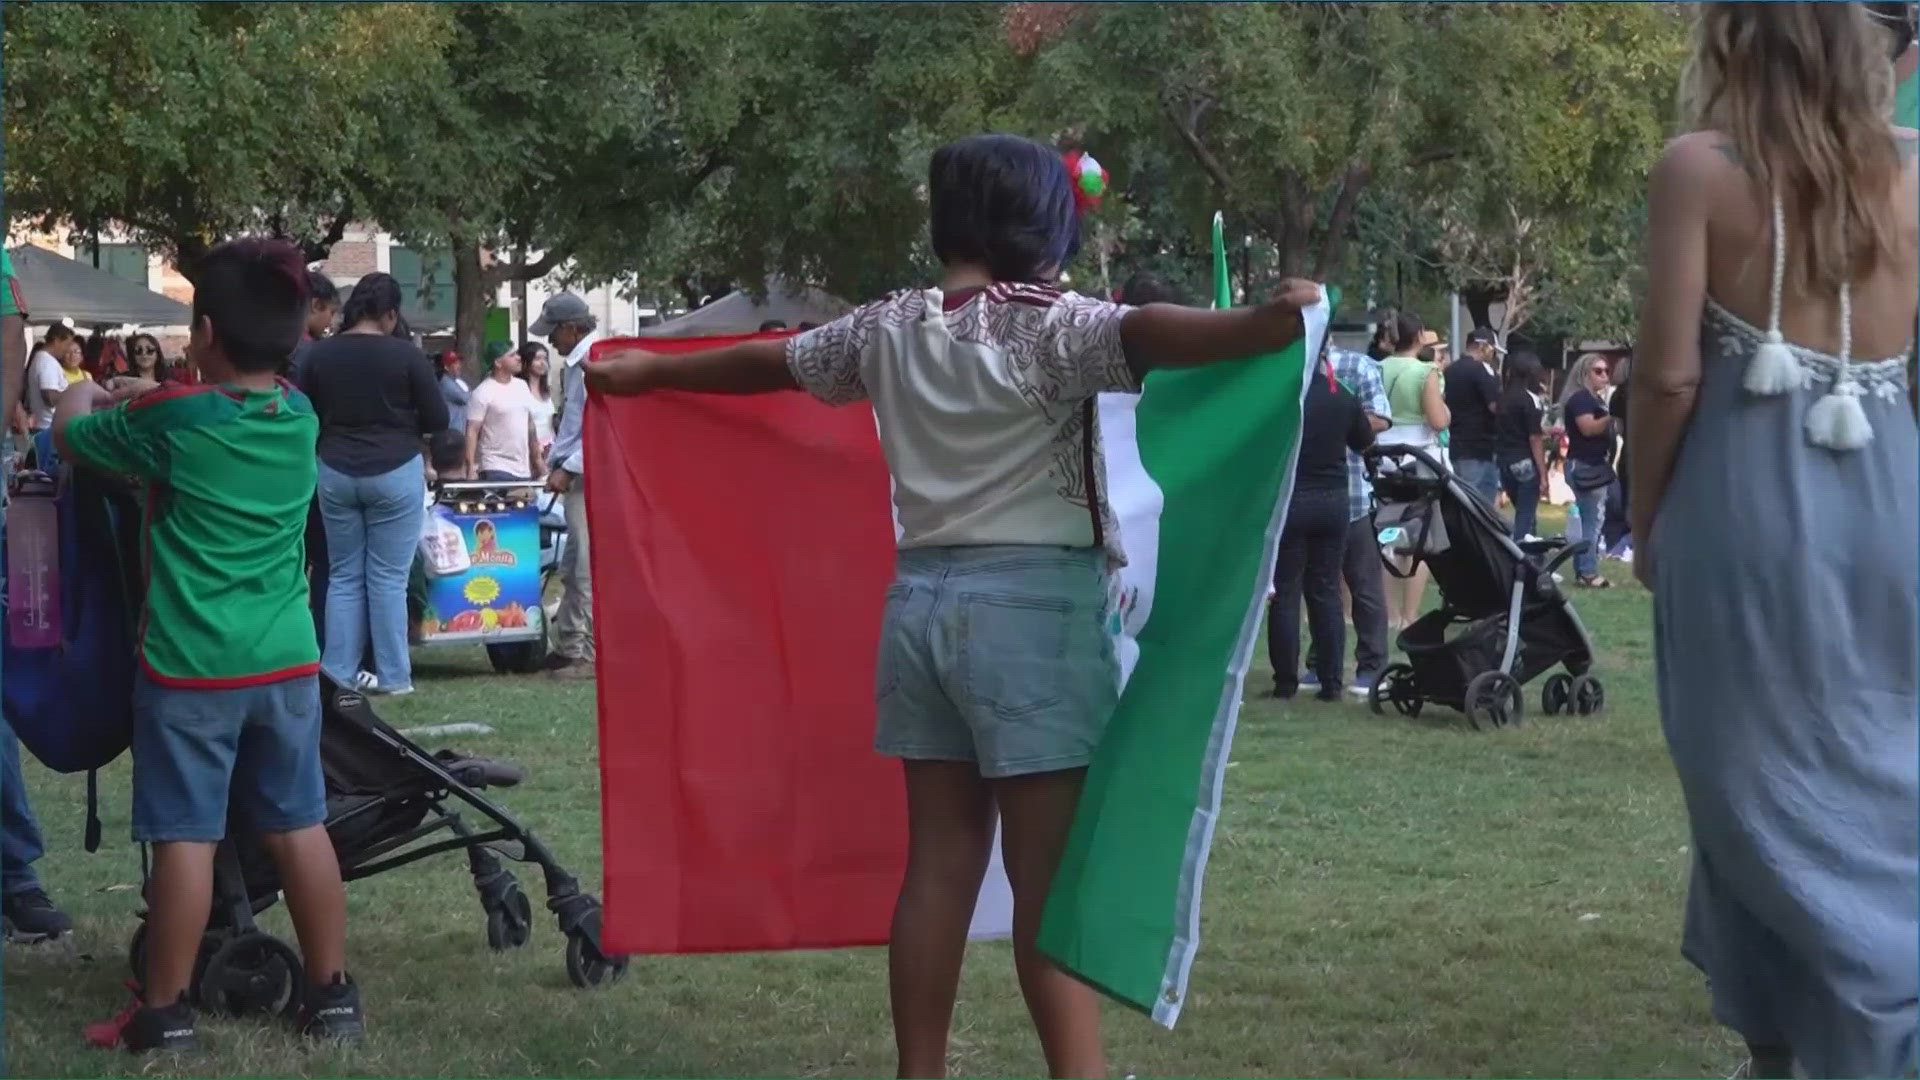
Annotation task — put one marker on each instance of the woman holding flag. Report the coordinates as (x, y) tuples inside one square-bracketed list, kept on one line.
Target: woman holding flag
[(996, 675)]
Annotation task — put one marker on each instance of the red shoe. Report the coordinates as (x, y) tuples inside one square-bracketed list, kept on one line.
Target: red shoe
[(106, 1034)]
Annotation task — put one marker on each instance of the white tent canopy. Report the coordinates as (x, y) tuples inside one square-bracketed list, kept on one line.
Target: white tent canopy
[(739, 313)]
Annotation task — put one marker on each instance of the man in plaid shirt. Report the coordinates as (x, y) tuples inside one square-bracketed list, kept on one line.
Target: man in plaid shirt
[(1362, 571)]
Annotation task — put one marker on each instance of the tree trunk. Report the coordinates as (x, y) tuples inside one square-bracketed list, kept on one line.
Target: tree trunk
[(472, 297)]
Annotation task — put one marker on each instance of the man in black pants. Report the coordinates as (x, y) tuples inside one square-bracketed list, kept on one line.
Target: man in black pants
[(1361, 568), (1333, 424)]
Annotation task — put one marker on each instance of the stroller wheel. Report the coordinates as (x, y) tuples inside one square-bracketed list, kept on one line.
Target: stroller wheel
[(1493, 700), (137, 952), (1556, 696), (588, 967), (1589, 695), (251, 974), (510, 922), (1395, 687)]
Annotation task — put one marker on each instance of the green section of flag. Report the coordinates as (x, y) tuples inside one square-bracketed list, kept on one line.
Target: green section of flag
[(1219, 443), (1906, 102)]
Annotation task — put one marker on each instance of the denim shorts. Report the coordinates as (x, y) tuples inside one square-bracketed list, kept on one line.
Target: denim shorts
[(998, 656), (190, 747)]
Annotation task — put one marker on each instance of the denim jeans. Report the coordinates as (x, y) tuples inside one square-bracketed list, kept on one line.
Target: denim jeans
[(373, 530), (20, 843), (1480, 475), (1520, 478), (1592, 506)]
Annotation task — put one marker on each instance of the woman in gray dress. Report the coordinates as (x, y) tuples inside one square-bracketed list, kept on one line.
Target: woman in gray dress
[(1774, 458)]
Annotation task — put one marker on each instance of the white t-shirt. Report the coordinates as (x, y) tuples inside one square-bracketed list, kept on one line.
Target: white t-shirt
[(46, 381), (504, 411), (985, 404), (542, 419)]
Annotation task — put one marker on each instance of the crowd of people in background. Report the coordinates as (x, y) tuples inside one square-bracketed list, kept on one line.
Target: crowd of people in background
[(1485, 418)]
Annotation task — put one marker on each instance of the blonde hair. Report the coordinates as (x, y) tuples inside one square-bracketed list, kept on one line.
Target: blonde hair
[(1805, 91), (1577, 375)]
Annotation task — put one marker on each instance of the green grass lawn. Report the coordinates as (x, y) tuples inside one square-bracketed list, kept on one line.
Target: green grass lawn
[(1386, 898)]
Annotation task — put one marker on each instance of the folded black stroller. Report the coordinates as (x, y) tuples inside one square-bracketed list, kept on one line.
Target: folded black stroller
[(388, 802), (1502, 620)]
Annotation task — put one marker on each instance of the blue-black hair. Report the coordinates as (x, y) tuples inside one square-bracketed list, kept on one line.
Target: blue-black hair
[(1004, 202)]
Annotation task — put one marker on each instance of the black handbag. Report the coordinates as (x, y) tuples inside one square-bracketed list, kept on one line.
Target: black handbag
[(1589, 475)]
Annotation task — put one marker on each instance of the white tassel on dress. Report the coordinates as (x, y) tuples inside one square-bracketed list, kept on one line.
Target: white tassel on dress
[(1773, 369), (1838, 421)]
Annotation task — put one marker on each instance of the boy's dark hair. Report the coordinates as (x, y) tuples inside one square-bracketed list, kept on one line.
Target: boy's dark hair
[(1407, 329), (1004, 202), (321, 288), (254, 292), (448, 449), (374, 296), (1146, 288), (58, 332)]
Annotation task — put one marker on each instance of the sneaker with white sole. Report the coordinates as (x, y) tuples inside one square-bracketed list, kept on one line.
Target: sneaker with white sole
[(368, 683)]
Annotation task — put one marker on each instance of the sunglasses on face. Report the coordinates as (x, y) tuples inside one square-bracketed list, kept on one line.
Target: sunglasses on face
[(145, 350), (1599, 371)]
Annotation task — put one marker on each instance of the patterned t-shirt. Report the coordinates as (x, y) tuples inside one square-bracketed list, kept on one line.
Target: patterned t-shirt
[(985, 404)]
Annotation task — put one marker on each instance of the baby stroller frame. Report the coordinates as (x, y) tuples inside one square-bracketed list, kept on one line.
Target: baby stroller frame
[(386, 800), (1502, 620)]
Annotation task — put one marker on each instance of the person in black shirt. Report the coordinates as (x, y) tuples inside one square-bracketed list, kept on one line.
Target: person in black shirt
[(1473, 395), (377, 399), (1590, 442), (1315, 538), (1519, 440)]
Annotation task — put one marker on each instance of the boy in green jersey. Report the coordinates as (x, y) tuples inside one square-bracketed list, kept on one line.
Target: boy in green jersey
[(228, 699)]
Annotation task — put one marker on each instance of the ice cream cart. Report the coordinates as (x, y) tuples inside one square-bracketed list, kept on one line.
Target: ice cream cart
[(483, 547)]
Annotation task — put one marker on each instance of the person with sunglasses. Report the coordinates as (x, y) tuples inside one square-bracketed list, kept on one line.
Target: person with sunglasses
[(145, 360), (1590, 445)]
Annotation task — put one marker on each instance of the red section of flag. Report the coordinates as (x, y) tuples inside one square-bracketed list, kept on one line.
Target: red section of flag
[(742, 547)]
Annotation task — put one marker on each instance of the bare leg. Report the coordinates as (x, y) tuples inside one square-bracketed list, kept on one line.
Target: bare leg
[(316, 898), (1038, 813), (949, 840), (1416, 591), (179, 899)]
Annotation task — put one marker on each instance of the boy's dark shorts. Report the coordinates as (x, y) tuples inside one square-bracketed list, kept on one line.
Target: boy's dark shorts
[(190, 747)]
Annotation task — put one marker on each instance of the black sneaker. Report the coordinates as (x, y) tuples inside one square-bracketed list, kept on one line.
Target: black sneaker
[(333, 1012), (31, 917), (556, 662), (1327, 694), (169, 1028)]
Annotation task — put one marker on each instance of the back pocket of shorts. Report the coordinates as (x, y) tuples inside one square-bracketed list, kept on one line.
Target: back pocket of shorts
[(1015, 651), (893, 640)]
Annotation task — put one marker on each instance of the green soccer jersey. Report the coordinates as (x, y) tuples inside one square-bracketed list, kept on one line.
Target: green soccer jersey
[(9, 287), (1906, 102), (232, 472)]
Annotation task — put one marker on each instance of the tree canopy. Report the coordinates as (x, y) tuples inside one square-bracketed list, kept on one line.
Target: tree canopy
[(1497, 149)]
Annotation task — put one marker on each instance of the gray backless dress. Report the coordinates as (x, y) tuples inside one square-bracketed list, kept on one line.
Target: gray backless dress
[(1787, 636)]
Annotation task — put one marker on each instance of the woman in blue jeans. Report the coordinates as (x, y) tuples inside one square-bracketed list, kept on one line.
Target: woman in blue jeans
[(1519, 439), (1590, 445), (377, 399)]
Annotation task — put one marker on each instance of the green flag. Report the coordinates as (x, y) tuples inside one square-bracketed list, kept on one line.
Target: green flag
[(1199, 471)]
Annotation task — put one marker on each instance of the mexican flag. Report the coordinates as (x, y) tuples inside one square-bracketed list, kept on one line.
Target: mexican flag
[(1199, 471), (741, 552)]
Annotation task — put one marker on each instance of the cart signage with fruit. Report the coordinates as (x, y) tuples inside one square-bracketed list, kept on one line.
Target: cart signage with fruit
[(494, 531)]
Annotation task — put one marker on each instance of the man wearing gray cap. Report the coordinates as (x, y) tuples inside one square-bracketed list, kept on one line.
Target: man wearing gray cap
[(569, 329)]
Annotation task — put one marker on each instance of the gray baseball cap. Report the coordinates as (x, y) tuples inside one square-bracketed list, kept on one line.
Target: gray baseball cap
[(559, 309)]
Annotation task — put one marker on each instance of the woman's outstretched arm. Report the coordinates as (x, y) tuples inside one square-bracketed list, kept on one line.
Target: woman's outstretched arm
[(749, 367)]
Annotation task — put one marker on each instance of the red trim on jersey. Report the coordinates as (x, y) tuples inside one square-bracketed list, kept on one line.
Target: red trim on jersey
[(237, 682), (170, 392)]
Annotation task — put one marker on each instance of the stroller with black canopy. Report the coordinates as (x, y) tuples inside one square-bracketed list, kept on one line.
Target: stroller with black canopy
[(1502, 620), (388, 801)]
